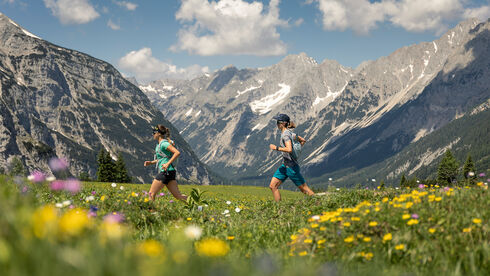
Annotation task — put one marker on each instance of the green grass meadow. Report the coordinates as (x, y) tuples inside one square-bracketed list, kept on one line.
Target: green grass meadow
[(240, 230)]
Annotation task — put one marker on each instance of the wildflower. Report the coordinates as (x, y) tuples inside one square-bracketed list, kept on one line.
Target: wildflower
[(438, 198), (58, 205), (294, 237), (57, 185), (193, 232), (400, 247), (373, 223), (349, 239), (50, 178), (89, 198), (321, 241), (377, 209), (212, 247), (387, 237), (237, 210), (384, 200), (415, 216), (151, 248), (432, 230), (230, 238), (369, 256), (412, 222), (308, 241), (146, 199), (421, 186), (36, 177), (44, 220), (303, 253), (405, 216), (228, 202), (113, 185), (66, 203), (102, 198), (111, 229), (121, 188), (476, 221), (74, 222), (114, 217), (72, 185), (366, 239), (315, 217), (346, 224), (355, 219), (481, 175), (467, 230), (58, 164), (314, 225)]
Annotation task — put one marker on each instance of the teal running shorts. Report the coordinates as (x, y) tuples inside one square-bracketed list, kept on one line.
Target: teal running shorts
[(293, 173)]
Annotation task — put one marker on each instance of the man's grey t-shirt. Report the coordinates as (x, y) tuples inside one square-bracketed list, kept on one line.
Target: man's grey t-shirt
[(288, 159)]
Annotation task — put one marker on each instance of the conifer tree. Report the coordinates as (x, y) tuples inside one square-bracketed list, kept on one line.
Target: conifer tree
[(448, 169), (17, 168), (121, 174), (105, 166), (403, 181), (468, 167)]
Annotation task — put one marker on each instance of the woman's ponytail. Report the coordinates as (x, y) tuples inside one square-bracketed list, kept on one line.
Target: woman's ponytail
[(164, 131), (291, 124)]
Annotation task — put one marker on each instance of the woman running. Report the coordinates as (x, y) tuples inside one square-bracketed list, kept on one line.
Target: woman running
[(290, 167), (165, 155)]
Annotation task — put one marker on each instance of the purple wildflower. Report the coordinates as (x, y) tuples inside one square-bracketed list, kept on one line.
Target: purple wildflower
[(162, 194), (114, 218), (72, 185), (57, 185), (415, 216), (421, 186), (481, 175), (92, 214), (58, 164), (446, 189), (25, 189), (37, 177), (93, 192), (171, 201)]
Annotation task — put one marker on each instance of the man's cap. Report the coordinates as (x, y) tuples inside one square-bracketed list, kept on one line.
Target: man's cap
[(281, 117)]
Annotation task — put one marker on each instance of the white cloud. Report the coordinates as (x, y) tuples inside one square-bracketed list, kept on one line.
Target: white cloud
[(72, 11), (412, 15), (422, 15), (113, 25), (229, 27), (145, 67), (127, 5), (299, 22), (482, 13)]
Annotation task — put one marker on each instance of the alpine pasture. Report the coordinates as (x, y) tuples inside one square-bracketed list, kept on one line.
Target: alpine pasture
[(57, 227)]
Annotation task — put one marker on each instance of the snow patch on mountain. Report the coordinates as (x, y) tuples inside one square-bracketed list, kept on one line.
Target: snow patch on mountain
[(264, 105)]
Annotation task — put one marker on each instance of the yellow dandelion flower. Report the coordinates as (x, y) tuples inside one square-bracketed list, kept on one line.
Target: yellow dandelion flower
[(349, 239), (467, 230), (360, 236), (314, 225), (346, 224), (400, 247), (355, 219), (189, 219), (377, 209), (308, 241), (294, 237), (406, 216), (303, 253), (102, 198), (44, 220), (373, 223), (432, 230), (74, 222), (412, 222), (230, 238), (476, 221), (366, 239), (367, 211), (151, 248), (323, 228), (146, 199), (387, 237), (368, 256), (212, 247), (438, 198), (321, 242)]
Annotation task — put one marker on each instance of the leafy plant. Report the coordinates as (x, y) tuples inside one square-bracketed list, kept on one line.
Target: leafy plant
[(195, 199)]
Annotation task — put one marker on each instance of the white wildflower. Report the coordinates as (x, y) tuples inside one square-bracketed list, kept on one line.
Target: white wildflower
[(193, 232), (113, 185)]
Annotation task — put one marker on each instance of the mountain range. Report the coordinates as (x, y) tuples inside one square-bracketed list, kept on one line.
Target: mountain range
[(353, 118), (59, 102)]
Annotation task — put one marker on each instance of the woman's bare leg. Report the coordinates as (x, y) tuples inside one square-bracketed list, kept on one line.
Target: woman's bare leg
[(306, 190), (156, 186), (275, 183), (174, 190)]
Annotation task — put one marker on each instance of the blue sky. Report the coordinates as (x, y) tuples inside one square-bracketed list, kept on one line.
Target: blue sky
[(153, 39)]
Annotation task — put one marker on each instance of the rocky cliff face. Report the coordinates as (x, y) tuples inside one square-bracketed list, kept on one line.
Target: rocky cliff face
[(352, 117), (60, 102)]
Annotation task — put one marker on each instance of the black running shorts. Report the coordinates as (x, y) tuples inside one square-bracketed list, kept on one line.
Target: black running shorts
[(166, 176)]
